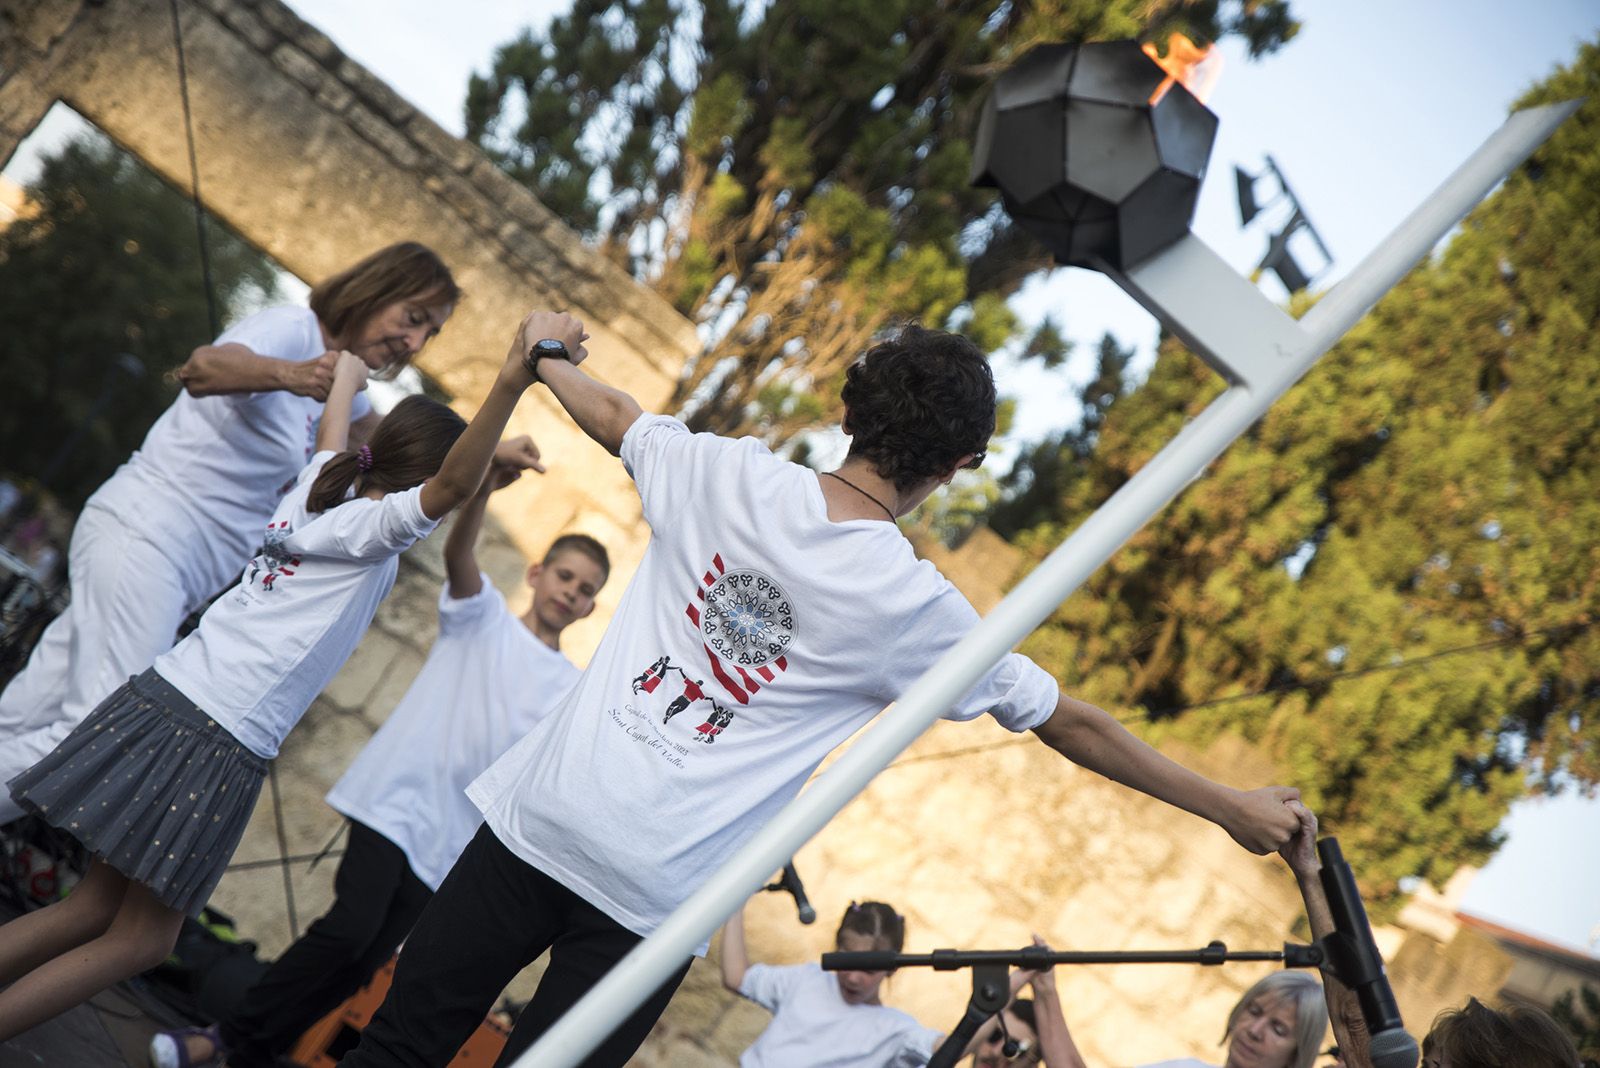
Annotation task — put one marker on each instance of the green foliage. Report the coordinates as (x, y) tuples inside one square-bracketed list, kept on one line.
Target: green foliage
[(1047, 480), (1583, 1024), (103, 261), (842, 127), (953, 512), (1433, 484)]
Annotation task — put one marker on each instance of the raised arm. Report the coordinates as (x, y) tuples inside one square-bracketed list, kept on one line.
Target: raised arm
[(735, 961), (464, 466), (1018, 979), (234, 368), (1344, 1009), (511, 458), (1086, 735), (350, 377), (604, 413), (1056, 1047)]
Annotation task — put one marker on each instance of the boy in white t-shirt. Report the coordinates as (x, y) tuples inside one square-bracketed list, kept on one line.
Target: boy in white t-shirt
[(490, 676), (775, 612)]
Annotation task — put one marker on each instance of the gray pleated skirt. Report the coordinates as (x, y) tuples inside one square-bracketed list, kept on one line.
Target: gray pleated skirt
[(152, 786)]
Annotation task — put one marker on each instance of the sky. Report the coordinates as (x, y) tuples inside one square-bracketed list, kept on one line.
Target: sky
[(1365, 112)]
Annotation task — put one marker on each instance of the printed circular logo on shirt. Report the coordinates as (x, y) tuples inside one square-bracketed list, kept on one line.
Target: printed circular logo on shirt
[(748, 619)]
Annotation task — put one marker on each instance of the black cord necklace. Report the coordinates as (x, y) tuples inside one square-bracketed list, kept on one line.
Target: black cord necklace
[(863, 493)]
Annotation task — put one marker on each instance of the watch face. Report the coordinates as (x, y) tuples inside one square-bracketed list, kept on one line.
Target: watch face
[(551, 347)]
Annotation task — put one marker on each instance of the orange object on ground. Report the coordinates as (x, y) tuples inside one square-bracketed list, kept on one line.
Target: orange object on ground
[(337, 1033)]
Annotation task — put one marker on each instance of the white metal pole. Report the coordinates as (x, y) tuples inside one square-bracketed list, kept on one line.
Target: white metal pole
[(1184, 458)]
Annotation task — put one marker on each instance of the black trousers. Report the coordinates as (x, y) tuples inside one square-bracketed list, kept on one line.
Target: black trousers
[(376, 901), (492, 917)]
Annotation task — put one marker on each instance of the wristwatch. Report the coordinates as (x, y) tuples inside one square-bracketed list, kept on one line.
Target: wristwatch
[(547, 348)]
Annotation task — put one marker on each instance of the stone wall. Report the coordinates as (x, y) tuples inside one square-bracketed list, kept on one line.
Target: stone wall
[(312, 158)]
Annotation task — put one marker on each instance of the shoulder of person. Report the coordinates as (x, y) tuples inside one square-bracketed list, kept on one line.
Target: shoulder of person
[(654, 429), (286, 332)]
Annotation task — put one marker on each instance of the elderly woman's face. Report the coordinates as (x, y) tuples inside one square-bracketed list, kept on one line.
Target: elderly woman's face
[(398, 332), (1263, 1037)]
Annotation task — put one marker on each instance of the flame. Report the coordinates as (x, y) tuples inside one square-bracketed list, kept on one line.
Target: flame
[(1186, 62)]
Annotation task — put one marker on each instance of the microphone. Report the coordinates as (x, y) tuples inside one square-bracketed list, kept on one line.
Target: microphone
[(1354, 960), (789, 882)]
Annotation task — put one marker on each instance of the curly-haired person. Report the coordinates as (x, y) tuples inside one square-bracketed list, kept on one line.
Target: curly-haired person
[(781, 610)]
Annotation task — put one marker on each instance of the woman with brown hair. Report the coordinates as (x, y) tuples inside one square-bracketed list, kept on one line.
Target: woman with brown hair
[(158, 782), (175, 523)]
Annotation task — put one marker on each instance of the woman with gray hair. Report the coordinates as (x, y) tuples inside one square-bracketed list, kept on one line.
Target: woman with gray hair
[(1278, 1023)]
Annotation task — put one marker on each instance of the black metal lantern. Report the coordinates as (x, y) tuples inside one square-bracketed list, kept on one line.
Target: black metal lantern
[(1095, 151)]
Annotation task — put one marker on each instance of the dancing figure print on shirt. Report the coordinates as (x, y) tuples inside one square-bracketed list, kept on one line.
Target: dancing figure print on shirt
[(648, 679), (720, 717), (272, 558)]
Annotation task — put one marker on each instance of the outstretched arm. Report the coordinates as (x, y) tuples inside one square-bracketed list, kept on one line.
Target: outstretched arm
[(350, 377), (1086, 735), (511, 458), (735, 961), (601, 411), (235, 368), (1344, 1009)]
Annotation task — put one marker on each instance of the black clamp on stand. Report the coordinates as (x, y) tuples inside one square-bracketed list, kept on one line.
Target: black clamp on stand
[(991, 987)]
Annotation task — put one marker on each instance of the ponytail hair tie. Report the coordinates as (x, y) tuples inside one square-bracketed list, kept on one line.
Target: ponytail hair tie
[(364, 458)]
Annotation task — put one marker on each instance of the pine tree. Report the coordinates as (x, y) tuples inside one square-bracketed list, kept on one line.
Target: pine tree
[(793, 175), (1433, 485), (103, 261)]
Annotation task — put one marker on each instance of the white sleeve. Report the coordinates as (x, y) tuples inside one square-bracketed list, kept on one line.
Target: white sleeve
[(917, 1044), (284, 333), (672, 467), (1016, 691), (769, 985), (365, 529), (462, 615)]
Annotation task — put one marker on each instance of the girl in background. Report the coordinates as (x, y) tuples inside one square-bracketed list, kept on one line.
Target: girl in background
[(159, 781), (822, 1019), (175, 523)]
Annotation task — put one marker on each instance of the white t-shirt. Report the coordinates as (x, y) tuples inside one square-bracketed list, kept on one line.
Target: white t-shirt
[(486, 682), (264, 651), (756, 636), (211, 468), (813, 1025)]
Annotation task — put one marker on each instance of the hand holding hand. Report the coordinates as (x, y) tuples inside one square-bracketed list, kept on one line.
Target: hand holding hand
[(1262, 820), (1300, 853), (350, 367), (536, 327), (313, 378)]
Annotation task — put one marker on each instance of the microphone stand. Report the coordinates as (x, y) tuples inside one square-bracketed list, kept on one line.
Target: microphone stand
[(991, 968)]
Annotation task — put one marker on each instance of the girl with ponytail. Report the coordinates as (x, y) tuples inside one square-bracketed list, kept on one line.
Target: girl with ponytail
[(159, 780), (826, 1018), (174, 524)]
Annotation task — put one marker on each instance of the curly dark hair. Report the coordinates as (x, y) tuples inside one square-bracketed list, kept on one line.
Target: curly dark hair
[(917, 402)]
